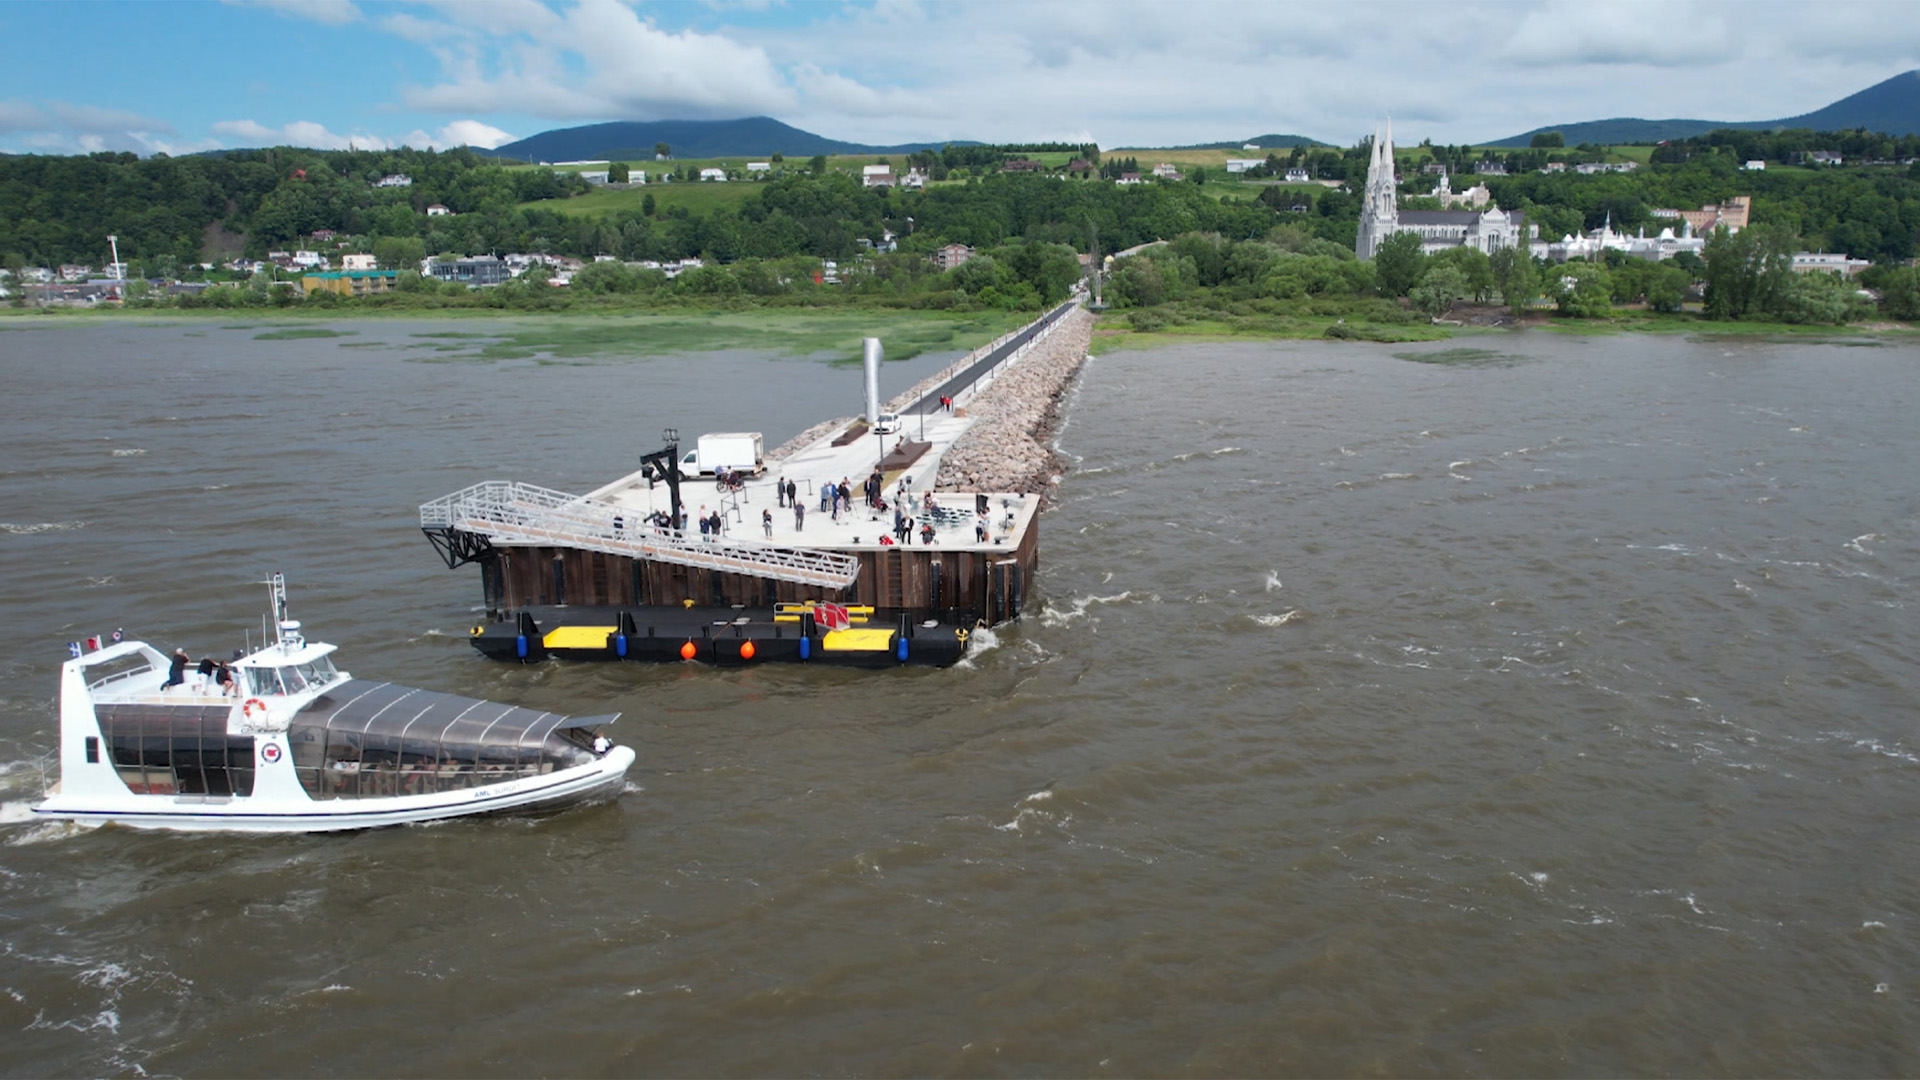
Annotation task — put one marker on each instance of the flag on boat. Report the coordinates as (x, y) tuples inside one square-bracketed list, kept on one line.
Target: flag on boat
[(93, 643), (73, 649), (117, 634)]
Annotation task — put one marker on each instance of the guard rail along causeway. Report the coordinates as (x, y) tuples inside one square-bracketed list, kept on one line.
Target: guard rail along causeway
[(508, 513)]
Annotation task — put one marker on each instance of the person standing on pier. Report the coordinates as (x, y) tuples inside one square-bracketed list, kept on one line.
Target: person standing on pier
[(792, 493), (826, 496), (766, 522), (780, 489), (799, 515)]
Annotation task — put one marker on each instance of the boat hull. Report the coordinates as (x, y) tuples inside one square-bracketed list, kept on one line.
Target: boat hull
[(603, 778)]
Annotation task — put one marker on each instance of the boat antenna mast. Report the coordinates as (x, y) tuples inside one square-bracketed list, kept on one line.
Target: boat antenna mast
[(286, 630)]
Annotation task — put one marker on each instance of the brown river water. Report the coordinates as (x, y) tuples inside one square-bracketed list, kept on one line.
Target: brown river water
[(1553, 715)]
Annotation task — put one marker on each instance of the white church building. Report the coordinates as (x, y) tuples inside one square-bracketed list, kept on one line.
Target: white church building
[(1486, 230)]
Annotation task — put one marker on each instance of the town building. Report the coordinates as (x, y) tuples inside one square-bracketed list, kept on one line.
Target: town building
[(1594, 244), (393, 180), (876, 176), (358, 262), (1298, 176), (438, 210), (914, 180), (1020, 165), (1807, 262), (951, 256), (759, 167), (714, 175), (1130, 178), (350, 282), (484, 270), (1486, 230), (1732, 214), (1240, 165), (1165, 171)]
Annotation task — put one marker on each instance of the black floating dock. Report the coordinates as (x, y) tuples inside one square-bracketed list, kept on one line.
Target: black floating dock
[(728, 636)]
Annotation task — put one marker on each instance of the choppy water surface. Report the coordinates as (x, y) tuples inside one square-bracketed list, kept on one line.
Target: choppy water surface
[(1553, 716)]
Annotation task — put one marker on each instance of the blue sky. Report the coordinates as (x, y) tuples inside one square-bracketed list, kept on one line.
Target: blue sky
[(179, 76)]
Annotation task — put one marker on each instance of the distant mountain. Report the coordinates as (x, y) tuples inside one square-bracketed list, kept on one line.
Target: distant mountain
[(1891, 107), (754, 136), (1264, 142)]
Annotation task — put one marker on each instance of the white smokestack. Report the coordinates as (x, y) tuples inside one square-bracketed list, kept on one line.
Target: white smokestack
[(870, 359)]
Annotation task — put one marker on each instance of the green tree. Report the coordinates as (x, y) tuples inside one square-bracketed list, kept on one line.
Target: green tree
[(1667, 287), (818, 165), (1583, 290), (1398, 263), (661, 151), (1548, 140), (647, 204), (1441, 288), (618, 173), (1901, 293), (1747, 271)]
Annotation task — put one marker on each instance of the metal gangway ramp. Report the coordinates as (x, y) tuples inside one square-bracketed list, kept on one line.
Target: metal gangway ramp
[(465, 524)]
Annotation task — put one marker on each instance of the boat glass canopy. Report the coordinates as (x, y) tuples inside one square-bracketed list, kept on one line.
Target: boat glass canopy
[(365, 739)]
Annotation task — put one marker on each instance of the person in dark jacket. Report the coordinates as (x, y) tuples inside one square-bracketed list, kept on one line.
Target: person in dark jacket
[(177, 670)]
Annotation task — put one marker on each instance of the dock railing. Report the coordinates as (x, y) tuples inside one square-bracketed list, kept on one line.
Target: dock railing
[(510, 513)]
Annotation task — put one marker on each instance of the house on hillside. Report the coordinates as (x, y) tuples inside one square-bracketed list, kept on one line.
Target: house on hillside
[(1165, 171), (323, 236), (1079, 167), (754, 168), (951, 256), (1490, 168), (1020, 165), (1823, 157), (392, 180), (1240, 165), (1130, 178), (351, 263), (876, 176), (713, 175), (914, 180), (1298, 176), (438, 210)]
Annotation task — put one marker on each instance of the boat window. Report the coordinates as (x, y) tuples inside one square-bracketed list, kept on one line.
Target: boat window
[(263, 681), (159, 750)]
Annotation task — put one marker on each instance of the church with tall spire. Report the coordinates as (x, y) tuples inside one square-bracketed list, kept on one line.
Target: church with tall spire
[(1486, 230), (1380, 209)]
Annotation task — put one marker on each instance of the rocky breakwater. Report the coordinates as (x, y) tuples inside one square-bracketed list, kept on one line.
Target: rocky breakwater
[(1015, 415)]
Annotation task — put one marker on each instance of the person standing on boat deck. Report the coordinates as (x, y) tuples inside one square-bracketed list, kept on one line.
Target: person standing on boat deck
[(203, 675), (223, 678), (177, 669), (766, 522)]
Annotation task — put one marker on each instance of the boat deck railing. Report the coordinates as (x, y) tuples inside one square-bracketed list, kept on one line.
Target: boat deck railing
[(507, 513)]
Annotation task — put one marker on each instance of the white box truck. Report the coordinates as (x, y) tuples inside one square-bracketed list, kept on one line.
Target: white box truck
[(740, 451)]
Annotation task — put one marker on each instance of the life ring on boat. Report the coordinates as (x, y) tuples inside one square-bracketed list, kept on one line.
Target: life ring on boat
[(254, 707)]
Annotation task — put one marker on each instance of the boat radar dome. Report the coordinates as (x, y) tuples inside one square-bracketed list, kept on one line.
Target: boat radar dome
[(290, 631)]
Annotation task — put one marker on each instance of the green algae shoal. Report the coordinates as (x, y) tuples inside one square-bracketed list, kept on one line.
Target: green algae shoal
[(836, 334)]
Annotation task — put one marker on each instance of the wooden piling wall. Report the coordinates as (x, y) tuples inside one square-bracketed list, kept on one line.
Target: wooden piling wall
[(928, 580)]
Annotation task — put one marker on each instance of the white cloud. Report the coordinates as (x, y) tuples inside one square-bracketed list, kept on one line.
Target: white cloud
[(316, 136), (331, 12)]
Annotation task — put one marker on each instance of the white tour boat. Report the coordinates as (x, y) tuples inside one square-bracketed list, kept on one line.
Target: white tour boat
[(295, 745)]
